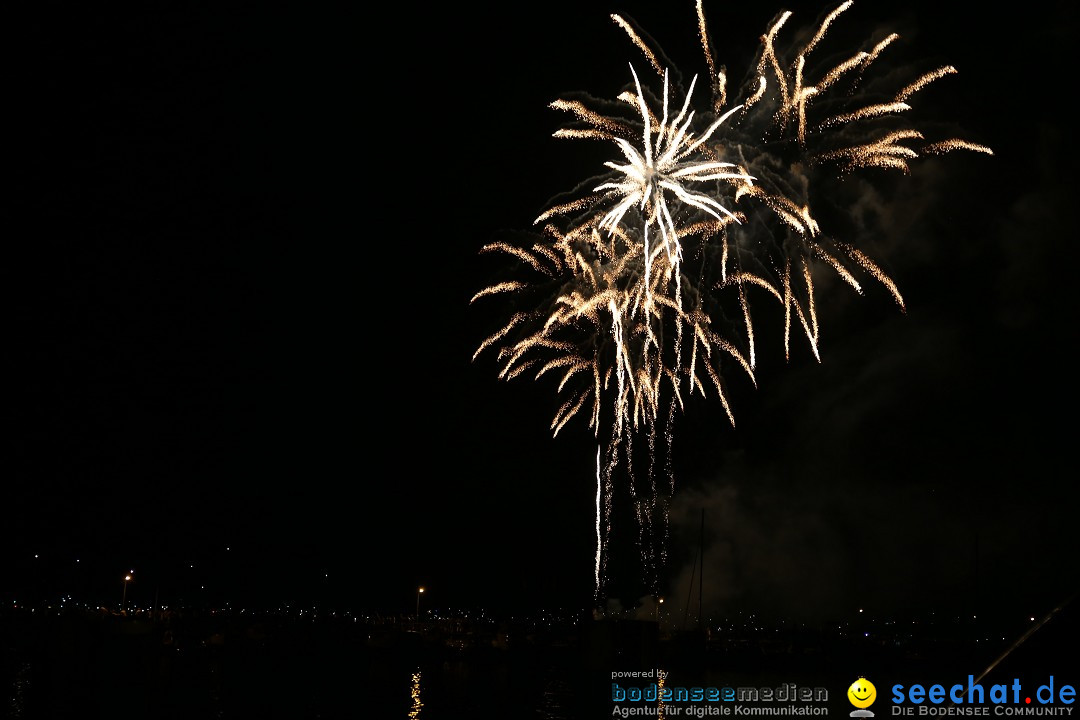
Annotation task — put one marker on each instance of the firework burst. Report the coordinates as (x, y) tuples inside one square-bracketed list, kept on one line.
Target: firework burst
[(638, 292)]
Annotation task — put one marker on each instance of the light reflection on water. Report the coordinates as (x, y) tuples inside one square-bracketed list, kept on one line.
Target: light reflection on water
[(461, 690), (661, 676), (417, 703), (19, 687), (554, 703)]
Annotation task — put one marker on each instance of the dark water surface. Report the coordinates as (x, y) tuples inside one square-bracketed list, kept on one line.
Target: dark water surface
[(87, 665), (212, 665)]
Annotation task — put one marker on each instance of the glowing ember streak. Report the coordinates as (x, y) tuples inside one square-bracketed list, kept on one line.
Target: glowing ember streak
[(636, 39)]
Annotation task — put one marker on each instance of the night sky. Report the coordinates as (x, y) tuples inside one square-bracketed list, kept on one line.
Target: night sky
[(240, 246)]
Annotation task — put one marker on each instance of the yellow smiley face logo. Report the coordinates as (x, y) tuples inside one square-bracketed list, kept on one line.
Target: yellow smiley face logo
[(862, 693)]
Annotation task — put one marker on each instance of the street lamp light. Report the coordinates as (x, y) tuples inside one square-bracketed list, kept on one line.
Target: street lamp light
[(123, 600), (419, 592)]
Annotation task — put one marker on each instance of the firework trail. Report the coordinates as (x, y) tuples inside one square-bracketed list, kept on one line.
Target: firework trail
[(642, 286)]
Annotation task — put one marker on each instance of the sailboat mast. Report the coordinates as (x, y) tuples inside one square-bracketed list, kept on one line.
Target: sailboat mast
[(701, 567)]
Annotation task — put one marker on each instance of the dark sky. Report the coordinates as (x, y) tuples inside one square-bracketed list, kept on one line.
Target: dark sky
[(240, 246)]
